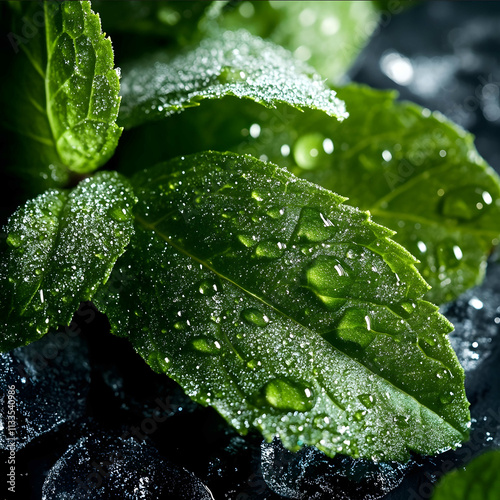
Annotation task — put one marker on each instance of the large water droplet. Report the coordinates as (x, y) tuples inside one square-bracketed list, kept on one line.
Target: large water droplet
[(329, 279), (465, 203), (355, 327), (254, 317), (285, 394), (449, 254), (208, 287), (269, 249), (205, 345), (312, 150), (313, 226)]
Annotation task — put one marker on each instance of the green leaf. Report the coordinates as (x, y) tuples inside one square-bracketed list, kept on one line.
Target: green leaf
[(60, 248), (170, 19), (267, 298), (417, 173), (479, 480), (231, 63), (62, 100), (326, 35)]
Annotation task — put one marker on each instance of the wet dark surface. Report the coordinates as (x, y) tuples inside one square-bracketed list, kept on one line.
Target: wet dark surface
[(84, 399)]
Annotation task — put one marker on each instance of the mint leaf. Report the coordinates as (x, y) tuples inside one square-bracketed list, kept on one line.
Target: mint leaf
[(267, 298), (231, 63), (326, 35), (479, 480), (63, 101), (417, 173), (60, 248), (172, 19)]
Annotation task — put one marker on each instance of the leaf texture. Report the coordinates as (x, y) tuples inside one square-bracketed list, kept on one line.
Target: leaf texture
[(60, 248), (289, 312), (230, 63), (416, 172), (62, 103)]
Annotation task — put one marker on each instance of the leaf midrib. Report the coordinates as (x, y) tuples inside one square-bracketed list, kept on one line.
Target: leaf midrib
[(153, 228)]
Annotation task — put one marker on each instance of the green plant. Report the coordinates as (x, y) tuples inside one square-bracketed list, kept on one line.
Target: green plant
[(263, 294)]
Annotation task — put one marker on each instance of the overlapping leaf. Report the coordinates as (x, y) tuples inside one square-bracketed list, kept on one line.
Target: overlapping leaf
[(62, 101), (289, 312), (479, 480), (327, 35), (229, 63), (60, 248), (415, 171)]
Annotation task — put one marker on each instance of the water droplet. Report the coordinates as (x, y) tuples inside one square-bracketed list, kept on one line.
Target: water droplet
[(276, 212), (313, 226), (465, 203), (205, 345), (181, 325), (448, 254), (248, 241), (254, 317), (355, 327), (447, 398), (285, 394), (312, 150), (119, 214), (14, 240), (269, 249), (367, 400), (329, 279), (208, 287)]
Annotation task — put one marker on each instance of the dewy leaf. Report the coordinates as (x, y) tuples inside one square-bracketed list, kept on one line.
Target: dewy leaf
[(174, 20), (267, 298), (63, 99), (417, 173), (479, 480), (231, 63), (326, 35), (61, 247)]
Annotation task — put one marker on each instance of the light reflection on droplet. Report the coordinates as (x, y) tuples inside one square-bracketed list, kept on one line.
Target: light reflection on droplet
[(397, 67)]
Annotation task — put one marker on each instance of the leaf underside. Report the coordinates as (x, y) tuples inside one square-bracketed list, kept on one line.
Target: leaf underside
[(60, 248), (289, 312), (230, 63)]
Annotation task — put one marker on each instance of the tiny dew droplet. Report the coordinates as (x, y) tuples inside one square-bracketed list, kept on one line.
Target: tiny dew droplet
[(285, 394), (254, 317)]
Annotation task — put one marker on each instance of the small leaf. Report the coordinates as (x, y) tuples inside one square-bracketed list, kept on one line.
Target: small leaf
[(267, 298), (63, 100), (231, 63), (60, 248), (479, 480), (416, 172)]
